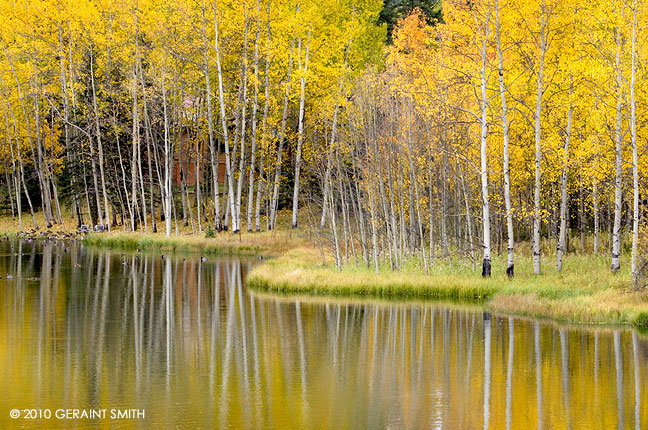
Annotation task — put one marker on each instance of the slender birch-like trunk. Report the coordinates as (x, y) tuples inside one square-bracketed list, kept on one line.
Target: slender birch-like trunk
[(618, 152), (300, 139), (486, 264), (562, 235), (510, 267), (538, 143), (282, 138), (168, 163), (221, 100), (635, 155), (261, 185), (16, 172), (253, 119), (106, 212), (15, 126), (210, 128), (134, 214), (236, 216), (327, 174)]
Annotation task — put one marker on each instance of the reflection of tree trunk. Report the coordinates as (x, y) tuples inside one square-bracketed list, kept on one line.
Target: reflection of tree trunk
[(596, 361), (564, 360), (168, 292), (136, 326), (618, 361), (509, 372), (538, 363), (103, 315), (302, 362), (637, 379), (487, 368)]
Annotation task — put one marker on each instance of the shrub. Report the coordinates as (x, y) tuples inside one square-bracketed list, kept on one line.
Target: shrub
[(209, 233)]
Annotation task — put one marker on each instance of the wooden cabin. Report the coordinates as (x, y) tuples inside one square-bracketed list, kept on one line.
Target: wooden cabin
[(184, 163)]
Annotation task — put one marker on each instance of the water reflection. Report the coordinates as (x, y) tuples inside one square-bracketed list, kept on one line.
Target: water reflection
[(184, 340)]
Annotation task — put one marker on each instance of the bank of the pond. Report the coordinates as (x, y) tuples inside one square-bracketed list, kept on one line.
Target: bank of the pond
[(267, 244), (586, 291)]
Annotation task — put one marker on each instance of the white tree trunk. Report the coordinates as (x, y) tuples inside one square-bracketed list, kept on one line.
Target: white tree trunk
[(168, 163), (210, 128), (538, 146), (618, 178), (253, 119), (236, 215), (562, 236), (300, 139), (635, 155), (221, 100), (282, 138), (510, 268), (486, 264)]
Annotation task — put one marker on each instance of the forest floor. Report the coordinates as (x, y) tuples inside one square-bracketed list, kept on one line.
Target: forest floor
[(585, 292)]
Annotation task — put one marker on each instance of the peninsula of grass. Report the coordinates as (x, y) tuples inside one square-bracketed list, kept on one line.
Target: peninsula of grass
[(585, 292)]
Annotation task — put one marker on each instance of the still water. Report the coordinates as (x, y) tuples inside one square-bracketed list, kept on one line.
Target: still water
[(183, 343)]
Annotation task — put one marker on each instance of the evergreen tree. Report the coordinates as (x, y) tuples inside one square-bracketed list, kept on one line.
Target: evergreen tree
[(393, 10)]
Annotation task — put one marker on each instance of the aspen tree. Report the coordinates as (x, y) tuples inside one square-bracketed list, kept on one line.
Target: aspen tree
[(510, 268), (303, 70), (635, 155)]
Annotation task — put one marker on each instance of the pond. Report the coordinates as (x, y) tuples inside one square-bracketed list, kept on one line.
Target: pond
[(93, 338)]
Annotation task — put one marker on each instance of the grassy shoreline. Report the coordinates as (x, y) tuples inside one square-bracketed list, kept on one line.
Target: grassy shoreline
[(585, 293), (244, 245)]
